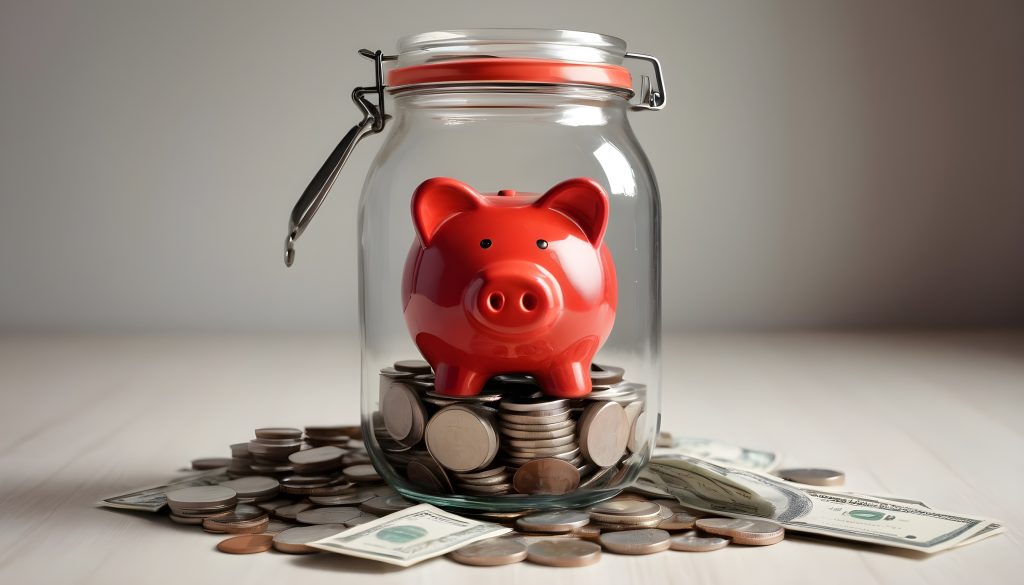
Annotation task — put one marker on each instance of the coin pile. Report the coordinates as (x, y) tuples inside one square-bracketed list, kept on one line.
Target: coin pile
[(288, 511), (510, 438)]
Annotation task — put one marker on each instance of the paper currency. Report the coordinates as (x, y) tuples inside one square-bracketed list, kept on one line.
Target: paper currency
[(740, 493), (410, 536), (152, 499), (722, 452)]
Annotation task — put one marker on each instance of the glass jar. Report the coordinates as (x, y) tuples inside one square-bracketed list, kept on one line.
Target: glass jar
[(509, 228)]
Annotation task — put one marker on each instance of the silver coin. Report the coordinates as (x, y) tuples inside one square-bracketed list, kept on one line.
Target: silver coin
[(404, 415), (555, 426), (534, 418), (253, 487), (567, 552), (352, 499), (813, 476), (604, 432), (636, 542), (413, 366), (498, 488), (202, 497), (278, 433), (692, 542), (568, 451), (542, 435), (335, 515), (559, 521), (461, 438), (637, 433), (295, 540), (490, 553), (742, 531), (520, 405), (529, 444), (481, 474)]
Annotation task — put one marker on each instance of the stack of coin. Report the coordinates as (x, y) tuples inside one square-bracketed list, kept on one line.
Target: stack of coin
[(627, 514), (331, 435), (537, 428), (241, 460), (244, 519), (479, 442), (253, 489), (192, 504), (272, 447), (489, 482)]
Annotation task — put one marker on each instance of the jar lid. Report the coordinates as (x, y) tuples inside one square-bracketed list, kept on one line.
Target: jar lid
[(510, 56)]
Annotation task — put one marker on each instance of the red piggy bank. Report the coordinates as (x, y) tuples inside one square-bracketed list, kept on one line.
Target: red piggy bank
[(510, 283)]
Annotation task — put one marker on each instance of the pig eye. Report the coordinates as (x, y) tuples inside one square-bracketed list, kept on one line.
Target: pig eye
[(542, 244), (485, 243)]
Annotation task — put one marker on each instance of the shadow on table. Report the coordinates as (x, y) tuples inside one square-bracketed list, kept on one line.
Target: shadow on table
[(326, 561)]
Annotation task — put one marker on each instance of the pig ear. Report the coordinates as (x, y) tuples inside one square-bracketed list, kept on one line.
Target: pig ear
[(438, 199), (584, 202)]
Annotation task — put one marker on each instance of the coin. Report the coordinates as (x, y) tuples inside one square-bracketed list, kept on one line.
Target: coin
[(317, 459), (520, 404), (355, 498), (246, 544), (481, 474), (692, 542), (361, 473), (461, 438), (637, 433), (290, 512), (428, 474), (604, 431), (384, 505), (626, 508), (413, 366), (546, 476), (534, 443), (333, 515), (813, 476), (210, 463), (568, 552), (404, 415), (556, 521), (278, 433), (490, 553), (202, 497), (554, 426), (534, 418), (678, 521), (569, 431), (256, 486), (636, 542), (605, 375), (294, 540), (751, 532)]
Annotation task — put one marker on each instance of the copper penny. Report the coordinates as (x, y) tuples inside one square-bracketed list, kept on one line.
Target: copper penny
[(246, 544), (546, 476), (490, 553)]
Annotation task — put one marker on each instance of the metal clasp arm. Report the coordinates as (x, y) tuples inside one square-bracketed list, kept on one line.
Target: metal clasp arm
[(374, 119), (651, 98)]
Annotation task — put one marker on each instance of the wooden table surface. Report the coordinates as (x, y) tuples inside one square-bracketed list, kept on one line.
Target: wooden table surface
[(936, 417)]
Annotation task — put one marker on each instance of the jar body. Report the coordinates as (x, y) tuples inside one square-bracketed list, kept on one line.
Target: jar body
[(526, 140)]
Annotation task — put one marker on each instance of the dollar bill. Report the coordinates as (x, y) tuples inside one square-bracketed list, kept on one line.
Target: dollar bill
[(707, 486), (153, 498), (410, 536), (722, 452)]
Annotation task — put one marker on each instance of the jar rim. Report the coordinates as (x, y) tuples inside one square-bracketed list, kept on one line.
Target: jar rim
[(521, 43)]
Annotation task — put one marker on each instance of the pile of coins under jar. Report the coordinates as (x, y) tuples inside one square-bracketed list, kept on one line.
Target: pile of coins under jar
[(286, 489), (510, 438)]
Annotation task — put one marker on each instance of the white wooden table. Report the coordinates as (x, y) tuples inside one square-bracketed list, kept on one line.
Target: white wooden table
[(934, 417)]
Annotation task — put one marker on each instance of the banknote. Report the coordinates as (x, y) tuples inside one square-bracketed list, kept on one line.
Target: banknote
[(722, 452), (410, 536), (152, 499), (707, 486)]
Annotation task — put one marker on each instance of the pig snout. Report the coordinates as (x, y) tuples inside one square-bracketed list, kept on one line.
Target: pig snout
[(514, 297)]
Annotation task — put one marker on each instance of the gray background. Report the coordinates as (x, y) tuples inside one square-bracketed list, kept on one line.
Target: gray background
[(822, 164)]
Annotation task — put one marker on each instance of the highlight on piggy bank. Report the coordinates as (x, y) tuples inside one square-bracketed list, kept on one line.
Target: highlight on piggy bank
[(510, 283)]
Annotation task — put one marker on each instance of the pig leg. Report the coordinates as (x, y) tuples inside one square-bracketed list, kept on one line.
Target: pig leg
[(453, 380), (566, 380)]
